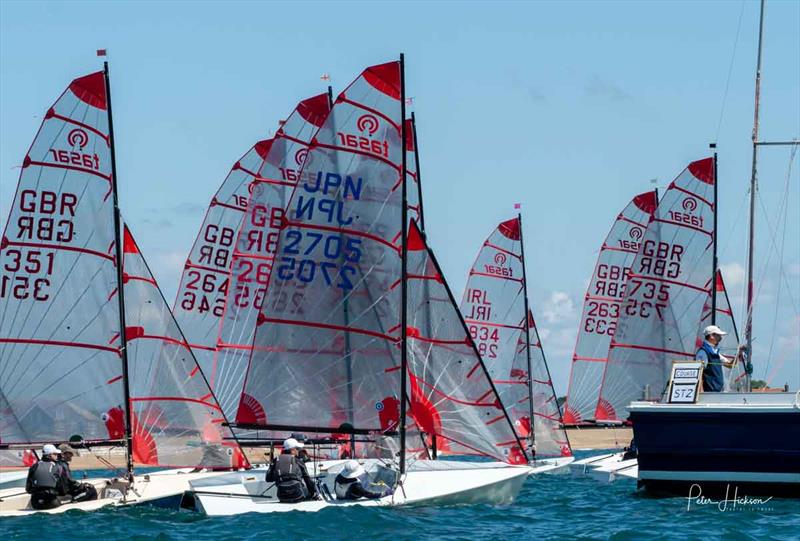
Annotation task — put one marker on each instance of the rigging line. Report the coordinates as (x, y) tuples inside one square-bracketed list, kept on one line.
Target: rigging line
[(730, 71), (781, 254)]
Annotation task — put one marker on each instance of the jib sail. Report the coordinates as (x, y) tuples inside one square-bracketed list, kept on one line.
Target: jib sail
[(451, 392), (664, 295), (601, 307), (176, 420)]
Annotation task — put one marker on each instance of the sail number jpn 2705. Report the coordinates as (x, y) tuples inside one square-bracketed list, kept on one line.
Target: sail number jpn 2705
[(308, 255)]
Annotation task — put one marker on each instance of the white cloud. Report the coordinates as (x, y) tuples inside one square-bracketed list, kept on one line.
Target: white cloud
[(559, 307), (733, 274)]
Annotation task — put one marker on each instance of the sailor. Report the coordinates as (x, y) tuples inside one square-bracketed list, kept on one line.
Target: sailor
[(45, 481), (353, 482), (80, 492), (290, 475), (713, 361)]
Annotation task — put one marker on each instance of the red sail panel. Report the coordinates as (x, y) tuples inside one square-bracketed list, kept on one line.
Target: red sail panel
[(326, 349), (176, 420), (15, 459), (254, 249), (200, 302), (452, 395), (412, 180), (59, 352), (601, 307), (664, 295), (734, 377)]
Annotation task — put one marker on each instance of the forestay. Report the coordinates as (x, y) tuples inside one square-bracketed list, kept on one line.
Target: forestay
[(601, 307), (59, 326), (326, 351), (452, 394), (664, 295), (734, 377), (176, 420), (254, 249)]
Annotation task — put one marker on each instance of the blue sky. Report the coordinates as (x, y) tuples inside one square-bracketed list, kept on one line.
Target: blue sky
[(567, 107)]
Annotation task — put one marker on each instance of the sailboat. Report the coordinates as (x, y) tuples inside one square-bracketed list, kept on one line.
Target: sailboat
[(601, 308), (351, 356), (225, 276), (738, 444), (497, 313), (89, 351)]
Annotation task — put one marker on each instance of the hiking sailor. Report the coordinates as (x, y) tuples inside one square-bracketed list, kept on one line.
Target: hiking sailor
[(80, 492), (290, 475), (353, 482), (713, 361), (45, 481)]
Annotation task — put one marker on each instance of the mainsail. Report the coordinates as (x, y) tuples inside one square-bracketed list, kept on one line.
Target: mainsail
[(494, 308), (325, 355), (602, 305), (176, 420), (200, 302), (734, 377), (665, 292), (254, 249), (59, 327)]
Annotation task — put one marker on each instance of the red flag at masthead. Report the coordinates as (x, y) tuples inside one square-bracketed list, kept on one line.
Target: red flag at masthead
[(101, 52)]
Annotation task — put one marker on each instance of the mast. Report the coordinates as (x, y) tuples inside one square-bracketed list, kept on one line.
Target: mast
[(748, 328), (403, 273), (419, 175), (120, 284), (714, 262), (527, 331)]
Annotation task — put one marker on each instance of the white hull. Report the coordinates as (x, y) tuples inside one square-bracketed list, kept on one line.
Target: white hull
[(438, 482), (158, 488), (551, 465), (607, 468), (12, 479)]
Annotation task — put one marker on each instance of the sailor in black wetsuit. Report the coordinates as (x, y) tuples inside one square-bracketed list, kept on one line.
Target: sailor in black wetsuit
[(45, 481), (290, 475), (353, 483), (80, 492)]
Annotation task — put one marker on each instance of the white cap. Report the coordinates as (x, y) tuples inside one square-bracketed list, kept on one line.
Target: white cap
[(713, 329), (50, 449), (291, 443), (352, 469)]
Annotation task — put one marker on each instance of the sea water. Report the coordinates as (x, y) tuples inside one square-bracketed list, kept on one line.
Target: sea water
[(554, 507)]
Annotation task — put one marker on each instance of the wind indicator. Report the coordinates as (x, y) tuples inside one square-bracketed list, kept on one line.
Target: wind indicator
[(325, 77), (101, 52)]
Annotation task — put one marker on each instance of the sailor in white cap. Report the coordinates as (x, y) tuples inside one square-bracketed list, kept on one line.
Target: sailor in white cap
[(713, 360), (290, 475), (45, 481), (353, 482)]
